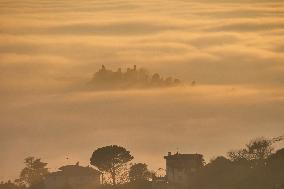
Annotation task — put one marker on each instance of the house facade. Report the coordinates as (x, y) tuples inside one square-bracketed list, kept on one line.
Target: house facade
[(181, 169)]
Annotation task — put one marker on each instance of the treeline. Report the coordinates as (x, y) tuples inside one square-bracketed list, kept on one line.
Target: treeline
[(256, 166), (131, 78)]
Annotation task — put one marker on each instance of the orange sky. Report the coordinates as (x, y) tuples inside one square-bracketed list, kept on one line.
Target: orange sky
[(49, 50)]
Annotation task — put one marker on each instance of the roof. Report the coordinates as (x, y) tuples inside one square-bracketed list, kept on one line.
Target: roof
[(76, 170), (178, 156)]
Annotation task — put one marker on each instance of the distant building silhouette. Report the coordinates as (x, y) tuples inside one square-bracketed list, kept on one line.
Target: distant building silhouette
[(131, 78), (73, 176), (181, 169)]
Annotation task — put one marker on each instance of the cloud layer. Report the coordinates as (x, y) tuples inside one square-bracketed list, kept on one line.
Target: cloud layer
[(173, 35)]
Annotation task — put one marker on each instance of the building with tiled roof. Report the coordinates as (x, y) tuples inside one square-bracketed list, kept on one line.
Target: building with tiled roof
[(73, 176)]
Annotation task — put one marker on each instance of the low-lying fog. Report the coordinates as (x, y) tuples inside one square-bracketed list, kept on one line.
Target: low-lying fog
[(202, 119)]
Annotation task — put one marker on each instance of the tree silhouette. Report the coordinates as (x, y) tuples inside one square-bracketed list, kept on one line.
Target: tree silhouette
[(111, 159), (240, 155), (139, 172), (257, 149), (34, 172)]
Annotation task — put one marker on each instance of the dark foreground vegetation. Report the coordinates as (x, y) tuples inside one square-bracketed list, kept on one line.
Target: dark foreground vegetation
[(256, 166)]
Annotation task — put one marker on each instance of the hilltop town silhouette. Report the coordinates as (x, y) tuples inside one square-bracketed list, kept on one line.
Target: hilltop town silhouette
[(132, 78), (256, 166)]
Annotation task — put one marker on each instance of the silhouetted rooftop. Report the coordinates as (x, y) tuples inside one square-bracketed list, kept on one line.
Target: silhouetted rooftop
[(178, 156), (76, 170)]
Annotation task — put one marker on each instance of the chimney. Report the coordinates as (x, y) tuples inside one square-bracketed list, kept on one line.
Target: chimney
[(169, 153)]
